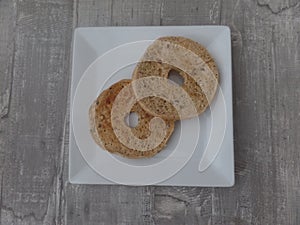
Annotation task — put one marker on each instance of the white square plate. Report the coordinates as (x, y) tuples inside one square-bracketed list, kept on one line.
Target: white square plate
[(218, 162)]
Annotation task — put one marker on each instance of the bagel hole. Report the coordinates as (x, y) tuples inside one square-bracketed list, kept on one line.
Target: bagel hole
[(132, 119), (175, 77)]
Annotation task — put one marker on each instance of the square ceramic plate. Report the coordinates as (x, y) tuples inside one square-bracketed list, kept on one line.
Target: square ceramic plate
[(212, 162)]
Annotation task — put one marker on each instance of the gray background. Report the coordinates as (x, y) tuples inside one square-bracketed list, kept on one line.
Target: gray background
[(35, 49)]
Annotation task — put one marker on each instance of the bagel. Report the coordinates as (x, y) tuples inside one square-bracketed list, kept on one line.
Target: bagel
[(191, 61), (102, 130)]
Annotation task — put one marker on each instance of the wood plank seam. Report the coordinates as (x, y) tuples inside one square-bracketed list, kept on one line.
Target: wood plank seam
[(1, 194), (75, 14), (161, 12), (111, 12), (7, 95), (60, 197)]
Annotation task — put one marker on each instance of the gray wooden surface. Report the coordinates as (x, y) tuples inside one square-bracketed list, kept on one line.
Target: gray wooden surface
[(35, 48)]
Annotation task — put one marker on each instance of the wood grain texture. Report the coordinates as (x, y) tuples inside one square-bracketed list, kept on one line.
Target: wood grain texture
[(33, 127), (266, 114), (7, 26), (35, 41)]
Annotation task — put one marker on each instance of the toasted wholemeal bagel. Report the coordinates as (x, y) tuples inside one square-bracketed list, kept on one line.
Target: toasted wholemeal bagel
[(191, 61), (102, 129)]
